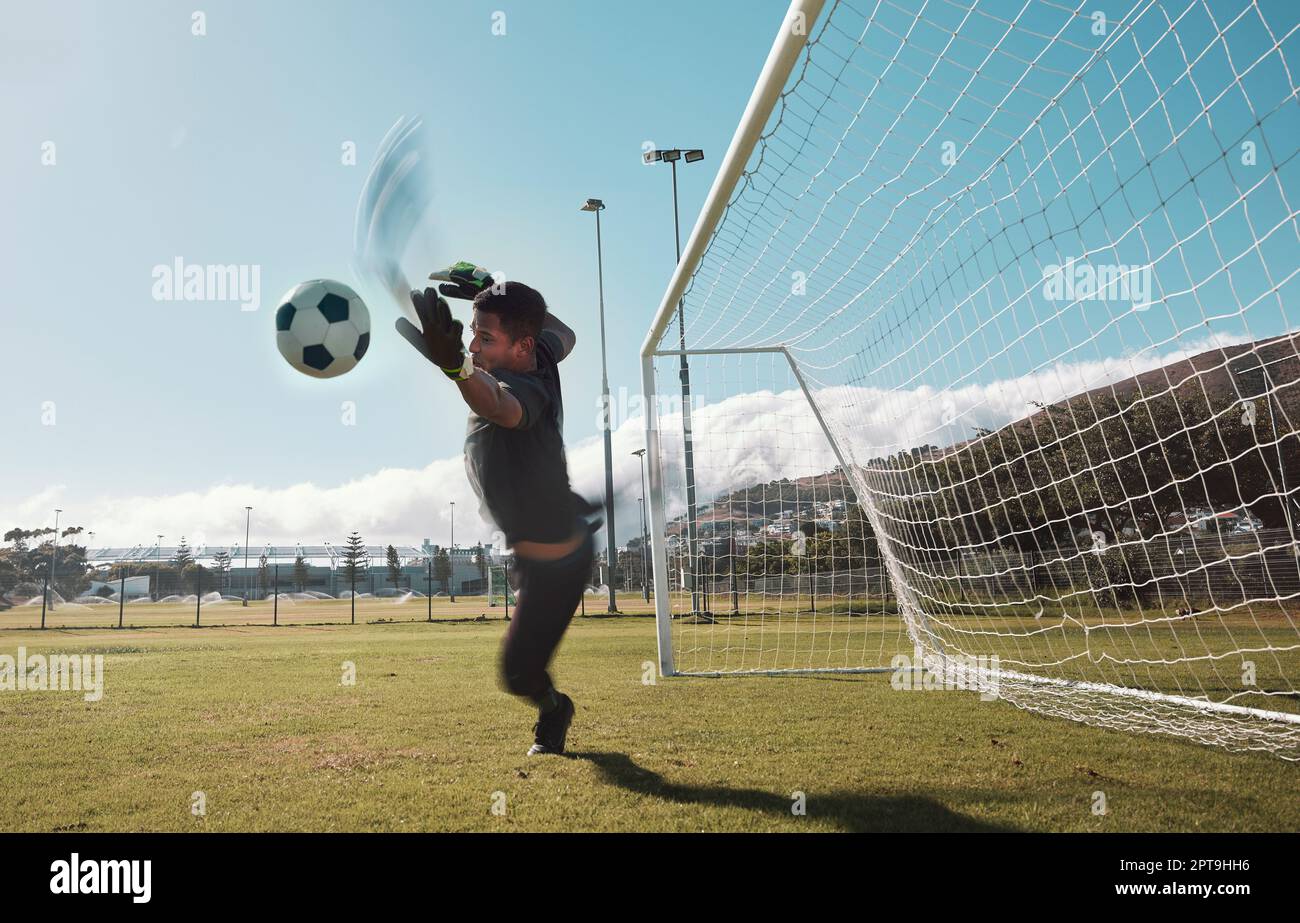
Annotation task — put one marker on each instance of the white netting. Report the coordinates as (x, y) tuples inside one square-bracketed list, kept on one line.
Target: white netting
[(782, 572), (1036, 267)]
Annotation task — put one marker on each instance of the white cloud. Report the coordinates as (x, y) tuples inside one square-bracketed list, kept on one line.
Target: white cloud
[(40, 505), (778, 438)]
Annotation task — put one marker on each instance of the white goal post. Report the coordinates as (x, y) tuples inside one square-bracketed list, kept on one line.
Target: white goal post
[(990, 326), (499, 591)]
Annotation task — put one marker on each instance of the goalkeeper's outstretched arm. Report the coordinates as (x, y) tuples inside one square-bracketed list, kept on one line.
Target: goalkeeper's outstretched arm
[(484, 395)]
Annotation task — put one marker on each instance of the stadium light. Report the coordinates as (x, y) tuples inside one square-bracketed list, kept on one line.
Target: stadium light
[(692, 530), (597, 206)]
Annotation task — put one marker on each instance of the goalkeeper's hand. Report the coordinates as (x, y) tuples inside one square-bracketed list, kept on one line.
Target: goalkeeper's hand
[(442, 339), (463, 280)]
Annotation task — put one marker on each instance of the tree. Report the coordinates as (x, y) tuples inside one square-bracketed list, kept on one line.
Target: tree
[(25, 564), (22, 563), (442, 570), (629, 565), (13, 561), (21, 557), (394, 566), (71, 570), (183, 557), (634, 559), (480, 561), (221, 564), (300, 573), (355, 558), (263, 577)]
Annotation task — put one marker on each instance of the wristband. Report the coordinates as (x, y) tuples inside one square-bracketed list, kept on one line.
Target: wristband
[(465, 371)]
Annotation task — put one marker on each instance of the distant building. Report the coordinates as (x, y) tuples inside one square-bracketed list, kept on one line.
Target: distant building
[(326, 571), (1202, 519)]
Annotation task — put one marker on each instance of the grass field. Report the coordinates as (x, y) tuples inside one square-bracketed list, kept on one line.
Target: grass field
[(258, 719)]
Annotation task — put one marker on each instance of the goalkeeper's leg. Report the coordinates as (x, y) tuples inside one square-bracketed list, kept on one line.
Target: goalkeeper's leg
[(549, 592)]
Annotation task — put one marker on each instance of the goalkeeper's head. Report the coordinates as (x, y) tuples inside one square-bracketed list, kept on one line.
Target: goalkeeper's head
[(507, 322)]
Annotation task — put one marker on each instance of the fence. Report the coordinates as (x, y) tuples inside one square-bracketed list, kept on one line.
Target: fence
[(1214, 570)]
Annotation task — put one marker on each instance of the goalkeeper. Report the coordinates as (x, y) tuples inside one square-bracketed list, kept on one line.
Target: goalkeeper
[(514, 455)]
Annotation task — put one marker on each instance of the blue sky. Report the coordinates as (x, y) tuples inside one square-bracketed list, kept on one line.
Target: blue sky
[(140, 417), (226, 147)]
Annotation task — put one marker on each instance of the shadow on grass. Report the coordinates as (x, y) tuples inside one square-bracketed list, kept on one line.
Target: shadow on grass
[(853, 811)]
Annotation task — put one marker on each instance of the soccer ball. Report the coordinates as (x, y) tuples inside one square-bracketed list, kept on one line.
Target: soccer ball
[(322, 328)]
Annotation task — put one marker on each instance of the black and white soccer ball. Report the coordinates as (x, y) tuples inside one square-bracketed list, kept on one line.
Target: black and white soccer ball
[(322, 328)]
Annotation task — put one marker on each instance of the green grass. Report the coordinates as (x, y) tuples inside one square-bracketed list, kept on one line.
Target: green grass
[(256, 718)]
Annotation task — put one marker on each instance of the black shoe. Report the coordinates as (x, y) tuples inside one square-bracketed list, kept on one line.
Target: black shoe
[(550, 730)]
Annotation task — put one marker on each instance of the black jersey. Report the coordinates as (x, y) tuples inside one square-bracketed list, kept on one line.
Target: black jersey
[(521, 475)]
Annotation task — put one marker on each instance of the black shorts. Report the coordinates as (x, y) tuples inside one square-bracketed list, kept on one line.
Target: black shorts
[(549, 593)]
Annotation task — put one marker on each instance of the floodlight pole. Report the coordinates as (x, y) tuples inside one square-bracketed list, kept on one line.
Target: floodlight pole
[(645, 559), (49, 578), (451, 560), (275, 588), (611, 544), (645, 592), (248, 516), (54, 551), (672, 155)]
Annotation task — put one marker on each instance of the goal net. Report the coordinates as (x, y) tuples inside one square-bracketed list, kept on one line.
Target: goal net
[(499, 591), (985, 351)]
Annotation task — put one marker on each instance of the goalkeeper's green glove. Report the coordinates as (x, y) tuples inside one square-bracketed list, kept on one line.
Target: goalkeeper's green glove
[(463, 280), (442, 339)]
